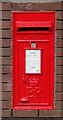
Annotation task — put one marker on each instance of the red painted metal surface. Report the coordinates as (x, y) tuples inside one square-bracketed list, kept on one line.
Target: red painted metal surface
[(33, 24), (33, 60)]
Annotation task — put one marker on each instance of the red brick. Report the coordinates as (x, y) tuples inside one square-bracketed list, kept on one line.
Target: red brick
[(0, 105), (5, 43), (6, 60), (6, 69), (62, 87), (6, 14), (59, 78), (62, 33), (59, 87), (0, 15), (0, 60), (6, 87), (59, 33), (6, 5), (6, 113), (59, 15), (59, 51), (0, 77), (0, 33), (0, 69), (0, 95), (58, 105), (6, 78), (62, 78), (0, 86), (0, 113), (6, 24), (6, 104), (62, 114), (27, 6), (58, 96), (59, 70), (37, 6), (0, 24), (62, 6), (6, 34), (52, 6), (0, 43), (58, 61), (0, 6), (6, 95), (6, 51), (59, 42), (50, 113), (59, 25), (25, 113)]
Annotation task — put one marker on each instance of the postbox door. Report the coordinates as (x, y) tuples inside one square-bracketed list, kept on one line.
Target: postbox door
[(33, 82)]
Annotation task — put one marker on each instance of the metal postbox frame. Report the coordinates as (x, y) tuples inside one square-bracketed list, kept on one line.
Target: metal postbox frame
[(23, 36)]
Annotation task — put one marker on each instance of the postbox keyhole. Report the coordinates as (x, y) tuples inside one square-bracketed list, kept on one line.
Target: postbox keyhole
[(24, 77), (33, 44)]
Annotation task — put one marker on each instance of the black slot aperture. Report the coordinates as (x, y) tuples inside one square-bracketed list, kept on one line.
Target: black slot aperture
[(34, 29)]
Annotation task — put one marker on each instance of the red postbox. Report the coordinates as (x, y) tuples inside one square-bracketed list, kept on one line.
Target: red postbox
[(33, 59)]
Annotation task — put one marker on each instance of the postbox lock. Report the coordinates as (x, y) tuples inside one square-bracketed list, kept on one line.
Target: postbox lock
[(33, 44)]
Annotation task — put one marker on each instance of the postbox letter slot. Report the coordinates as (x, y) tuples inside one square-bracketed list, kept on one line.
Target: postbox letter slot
[(33, 26), (33, 29)]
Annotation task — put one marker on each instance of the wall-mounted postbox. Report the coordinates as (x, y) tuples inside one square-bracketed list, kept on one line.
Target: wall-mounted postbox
[(33, 59)]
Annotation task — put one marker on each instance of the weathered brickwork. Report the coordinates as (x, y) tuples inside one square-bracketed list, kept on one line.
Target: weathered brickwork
[(6, 57)]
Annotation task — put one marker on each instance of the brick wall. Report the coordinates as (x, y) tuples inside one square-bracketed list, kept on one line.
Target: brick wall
[(6, 19)]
